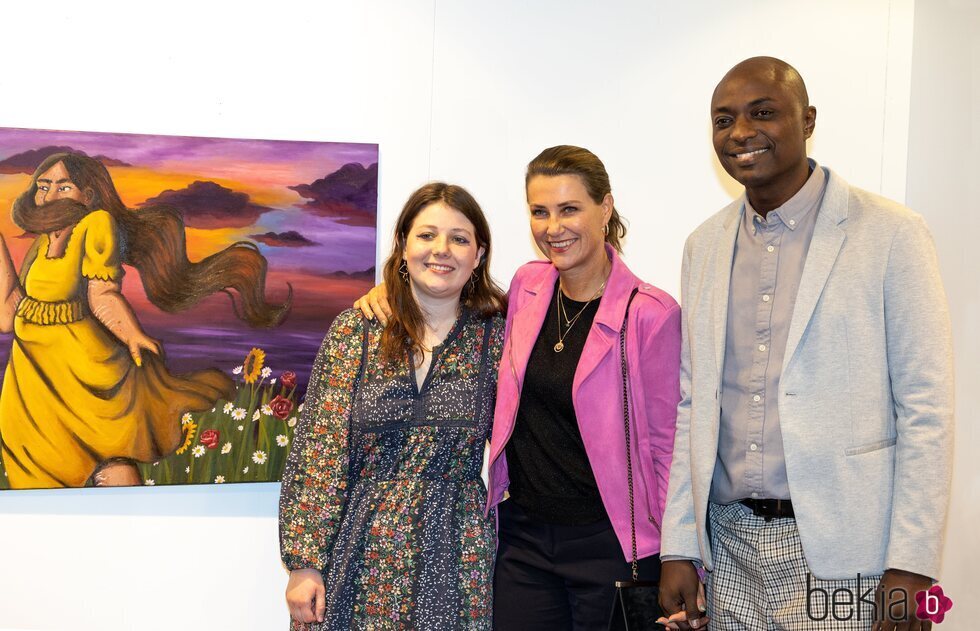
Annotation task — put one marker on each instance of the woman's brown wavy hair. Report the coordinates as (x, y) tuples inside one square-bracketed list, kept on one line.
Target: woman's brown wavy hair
[(154, 242), (406, 327)]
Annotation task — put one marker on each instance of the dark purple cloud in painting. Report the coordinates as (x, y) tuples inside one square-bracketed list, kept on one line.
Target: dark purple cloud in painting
[(288, 239), (349, 195), (209, 205), (28, 161)]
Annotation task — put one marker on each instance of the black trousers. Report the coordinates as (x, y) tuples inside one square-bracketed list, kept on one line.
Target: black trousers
[(557, 578)]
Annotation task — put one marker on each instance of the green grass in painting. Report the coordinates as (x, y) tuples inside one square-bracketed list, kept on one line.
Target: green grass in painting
[(245, 439)]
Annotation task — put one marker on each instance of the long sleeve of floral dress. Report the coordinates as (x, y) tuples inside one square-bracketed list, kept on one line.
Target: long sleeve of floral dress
[(315, 479)]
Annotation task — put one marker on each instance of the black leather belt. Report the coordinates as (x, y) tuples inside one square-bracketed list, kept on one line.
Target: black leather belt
[(770, 509)]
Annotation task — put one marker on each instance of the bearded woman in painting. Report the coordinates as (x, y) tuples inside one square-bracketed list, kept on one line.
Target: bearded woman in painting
[(381, 519), (85, 392)]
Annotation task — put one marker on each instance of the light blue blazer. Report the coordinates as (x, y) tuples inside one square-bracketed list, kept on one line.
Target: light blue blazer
[(865, 396)]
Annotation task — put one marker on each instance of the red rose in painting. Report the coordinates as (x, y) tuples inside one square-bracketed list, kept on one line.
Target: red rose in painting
[(281, 407), (210, 438), (288, 379)]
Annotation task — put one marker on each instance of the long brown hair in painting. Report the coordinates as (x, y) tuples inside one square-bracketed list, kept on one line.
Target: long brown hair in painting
[(155, 244)]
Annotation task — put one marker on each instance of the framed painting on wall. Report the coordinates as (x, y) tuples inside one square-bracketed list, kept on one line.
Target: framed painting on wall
[(162, 299)]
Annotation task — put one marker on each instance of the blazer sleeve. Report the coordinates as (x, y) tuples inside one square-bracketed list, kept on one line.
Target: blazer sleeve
[(315, 479), (679, 538), (659, 380), (920, 366)]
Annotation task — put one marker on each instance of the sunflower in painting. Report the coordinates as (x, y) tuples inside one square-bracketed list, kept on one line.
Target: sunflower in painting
[(252, 367)]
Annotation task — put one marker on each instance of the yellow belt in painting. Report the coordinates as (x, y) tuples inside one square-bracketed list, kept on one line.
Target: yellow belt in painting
[(40, 312)]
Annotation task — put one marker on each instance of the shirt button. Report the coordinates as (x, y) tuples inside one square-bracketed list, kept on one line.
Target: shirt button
[(755, 495), (765, 298), (792, 222), (757, 398), (762, 347), (754, 447), (770, 249)]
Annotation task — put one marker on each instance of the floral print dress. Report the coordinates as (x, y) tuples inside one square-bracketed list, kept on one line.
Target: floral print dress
[(382, 489)]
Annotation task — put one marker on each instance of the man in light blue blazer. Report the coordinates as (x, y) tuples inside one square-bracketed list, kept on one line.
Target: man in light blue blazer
[(812, 459)]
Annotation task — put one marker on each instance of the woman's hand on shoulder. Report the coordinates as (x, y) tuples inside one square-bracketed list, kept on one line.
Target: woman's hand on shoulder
[(374, 304), (306, 595)]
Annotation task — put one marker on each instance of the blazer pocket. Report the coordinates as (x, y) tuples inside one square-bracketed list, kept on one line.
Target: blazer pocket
[(869, 447)]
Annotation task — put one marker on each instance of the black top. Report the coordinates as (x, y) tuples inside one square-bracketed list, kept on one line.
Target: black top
[(550, 475)]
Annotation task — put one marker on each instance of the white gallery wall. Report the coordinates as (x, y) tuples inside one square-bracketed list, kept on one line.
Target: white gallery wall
[(466, 92), (943, 184)]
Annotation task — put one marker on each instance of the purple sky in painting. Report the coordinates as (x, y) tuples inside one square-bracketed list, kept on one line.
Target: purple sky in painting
[(347, 248), (158, 151)]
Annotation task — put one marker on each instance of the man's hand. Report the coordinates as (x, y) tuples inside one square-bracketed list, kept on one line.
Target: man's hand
[(894, 586), (682, 596), (306, 595), (375, 304)]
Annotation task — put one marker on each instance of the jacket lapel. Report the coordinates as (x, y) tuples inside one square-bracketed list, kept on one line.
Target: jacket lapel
[(721, 282), (528, 320), (828, 238), (608, 319)]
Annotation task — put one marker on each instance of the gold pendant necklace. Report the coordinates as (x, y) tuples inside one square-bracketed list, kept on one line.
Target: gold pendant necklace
[(560, 346)]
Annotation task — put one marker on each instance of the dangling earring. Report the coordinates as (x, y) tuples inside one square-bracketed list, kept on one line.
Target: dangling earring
[(605, 229), (403, 270), (472, 283)]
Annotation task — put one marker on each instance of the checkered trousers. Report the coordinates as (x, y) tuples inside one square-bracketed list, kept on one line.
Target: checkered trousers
[(761, 581)]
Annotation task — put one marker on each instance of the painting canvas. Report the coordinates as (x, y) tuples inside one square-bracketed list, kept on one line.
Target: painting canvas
[(164, 298)]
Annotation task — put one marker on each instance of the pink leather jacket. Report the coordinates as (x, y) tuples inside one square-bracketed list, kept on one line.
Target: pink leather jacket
[(653, 344)]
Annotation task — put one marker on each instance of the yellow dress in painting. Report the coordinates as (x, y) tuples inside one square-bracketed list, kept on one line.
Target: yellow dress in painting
[(72, 396)]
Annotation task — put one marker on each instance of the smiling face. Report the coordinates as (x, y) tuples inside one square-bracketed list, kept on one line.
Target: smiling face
[(566, 223), (761, 121), (441, 252), (55, 184)]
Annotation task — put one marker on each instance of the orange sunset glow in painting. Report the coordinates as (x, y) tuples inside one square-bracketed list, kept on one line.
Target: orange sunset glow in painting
[(309, 209)]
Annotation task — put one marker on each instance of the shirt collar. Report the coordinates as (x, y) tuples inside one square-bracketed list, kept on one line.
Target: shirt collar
[(807, 199)]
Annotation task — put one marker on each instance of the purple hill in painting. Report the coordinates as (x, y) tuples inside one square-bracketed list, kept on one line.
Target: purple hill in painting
[(288, 239), (209, 205), (349, 195), (28, 161)]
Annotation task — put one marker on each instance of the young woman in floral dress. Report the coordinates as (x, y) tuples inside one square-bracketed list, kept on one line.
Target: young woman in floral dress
[(381, 517)]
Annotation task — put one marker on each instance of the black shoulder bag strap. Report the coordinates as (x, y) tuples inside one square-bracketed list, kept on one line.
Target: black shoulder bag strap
[(636, 606)]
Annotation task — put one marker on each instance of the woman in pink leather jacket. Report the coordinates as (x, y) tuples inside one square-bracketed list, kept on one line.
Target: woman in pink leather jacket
[(558, 447)]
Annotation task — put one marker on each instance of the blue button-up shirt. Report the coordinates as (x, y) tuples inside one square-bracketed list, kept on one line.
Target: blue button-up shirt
[(766, 269)]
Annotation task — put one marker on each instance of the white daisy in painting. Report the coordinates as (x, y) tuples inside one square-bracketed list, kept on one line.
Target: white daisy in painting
[(300, 408), (238, 414), (256, 416), (259, 457), (272, 382), (281, 440), (237, 370), (186, 418), (228, 407), (198, 451), (187, 469), (266, 372), (226, 448), (150, 482), (291, 422), (219, 479), (267, 410), (241, 427), (245, 470)]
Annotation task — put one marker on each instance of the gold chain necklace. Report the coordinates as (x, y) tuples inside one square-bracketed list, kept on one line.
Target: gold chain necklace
[(560, 346)]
